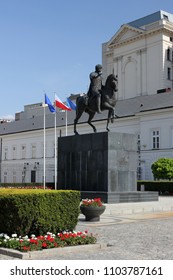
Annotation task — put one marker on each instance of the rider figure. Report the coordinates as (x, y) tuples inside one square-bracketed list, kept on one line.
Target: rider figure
[(96, 85)]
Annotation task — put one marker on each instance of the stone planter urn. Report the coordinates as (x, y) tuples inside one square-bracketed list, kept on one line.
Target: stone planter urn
[(92, 213)]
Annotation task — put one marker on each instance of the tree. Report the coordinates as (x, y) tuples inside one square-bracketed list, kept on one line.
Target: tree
[(163, 168)]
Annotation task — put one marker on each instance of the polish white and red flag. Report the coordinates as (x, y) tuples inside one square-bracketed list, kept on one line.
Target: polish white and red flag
[(60, 104)]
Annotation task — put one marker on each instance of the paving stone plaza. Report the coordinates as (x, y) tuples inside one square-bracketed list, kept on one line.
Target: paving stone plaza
[(126, 231)]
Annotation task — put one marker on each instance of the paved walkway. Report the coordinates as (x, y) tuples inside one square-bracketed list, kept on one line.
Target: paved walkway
[(127, 231)]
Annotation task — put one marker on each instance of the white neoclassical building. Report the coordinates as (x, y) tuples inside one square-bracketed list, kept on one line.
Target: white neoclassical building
[(141, 54)]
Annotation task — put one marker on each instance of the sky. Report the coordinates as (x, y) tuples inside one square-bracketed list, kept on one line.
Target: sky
[(51, 46)]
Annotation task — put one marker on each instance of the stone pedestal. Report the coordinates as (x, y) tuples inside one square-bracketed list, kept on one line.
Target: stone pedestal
[(100, 165)]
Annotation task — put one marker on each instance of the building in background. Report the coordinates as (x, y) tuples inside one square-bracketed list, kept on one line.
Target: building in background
[(141, 54)]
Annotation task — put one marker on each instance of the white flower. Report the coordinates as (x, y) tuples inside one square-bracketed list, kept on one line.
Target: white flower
[(6, 237), (1, 235), (25, 237), (14, 235), (32, 235)]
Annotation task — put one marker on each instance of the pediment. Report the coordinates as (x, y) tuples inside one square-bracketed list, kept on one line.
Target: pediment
[(126, 32)]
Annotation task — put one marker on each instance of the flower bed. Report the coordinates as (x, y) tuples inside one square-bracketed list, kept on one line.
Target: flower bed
[(50, 240)]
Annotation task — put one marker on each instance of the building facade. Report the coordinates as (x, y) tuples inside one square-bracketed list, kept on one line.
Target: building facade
[(141, 54)]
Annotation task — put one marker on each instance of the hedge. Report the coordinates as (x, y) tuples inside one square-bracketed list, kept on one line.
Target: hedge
[(16, 185), (159, 186), (27, 185), (38, 211)]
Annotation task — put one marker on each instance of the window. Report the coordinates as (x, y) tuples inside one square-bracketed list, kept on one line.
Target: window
[(33, 151), (13, 152), (169, 73), (5, 177), (43, 149), (168, 52), (165, 17), (156, 139), (5, 153), (14, 176), (23, 151)]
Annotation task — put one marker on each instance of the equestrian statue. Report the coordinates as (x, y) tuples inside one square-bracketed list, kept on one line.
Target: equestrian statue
[(98, 98)]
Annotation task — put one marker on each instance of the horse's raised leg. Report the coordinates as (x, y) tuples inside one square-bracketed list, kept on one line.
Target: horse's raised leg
[(91, 116), (114, 116), (110, 112), (107, 126)]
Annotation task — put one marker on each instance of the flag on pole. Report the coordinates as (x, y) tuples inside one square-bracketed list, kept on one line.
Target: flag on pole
[(48, 102), (60, 104), (71, 104), (52, 110)]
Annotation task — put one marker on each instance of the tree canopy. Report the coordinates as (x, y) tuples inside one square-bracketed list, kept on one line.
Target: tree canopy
[(163, 168)]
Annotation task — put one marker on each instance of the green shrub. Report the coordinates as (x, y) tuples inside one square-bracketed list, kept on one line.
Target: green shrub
[(162, 187), (38, 211), (163, 168), (16, 185), (27, 185)]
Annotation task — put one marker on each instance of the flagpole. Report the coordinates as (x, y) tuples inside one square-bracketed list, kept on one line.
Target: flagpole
[(44, 153), (66, 122), (55, 153)]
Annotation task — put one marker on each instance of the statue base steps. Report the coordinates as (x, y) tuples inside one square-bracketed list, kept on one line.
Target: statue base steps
[(122, 197)]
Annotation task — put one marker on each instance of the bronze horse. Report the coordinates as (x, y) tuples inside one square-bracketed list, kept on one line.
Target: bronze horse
[(108, 102)]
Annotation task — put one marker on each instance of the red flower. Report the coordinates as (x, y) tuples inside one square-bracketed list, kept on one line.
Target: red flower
[(33, 241), (25, 248), (44, 245), (49, 238), (40, 237), (96, 202)]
